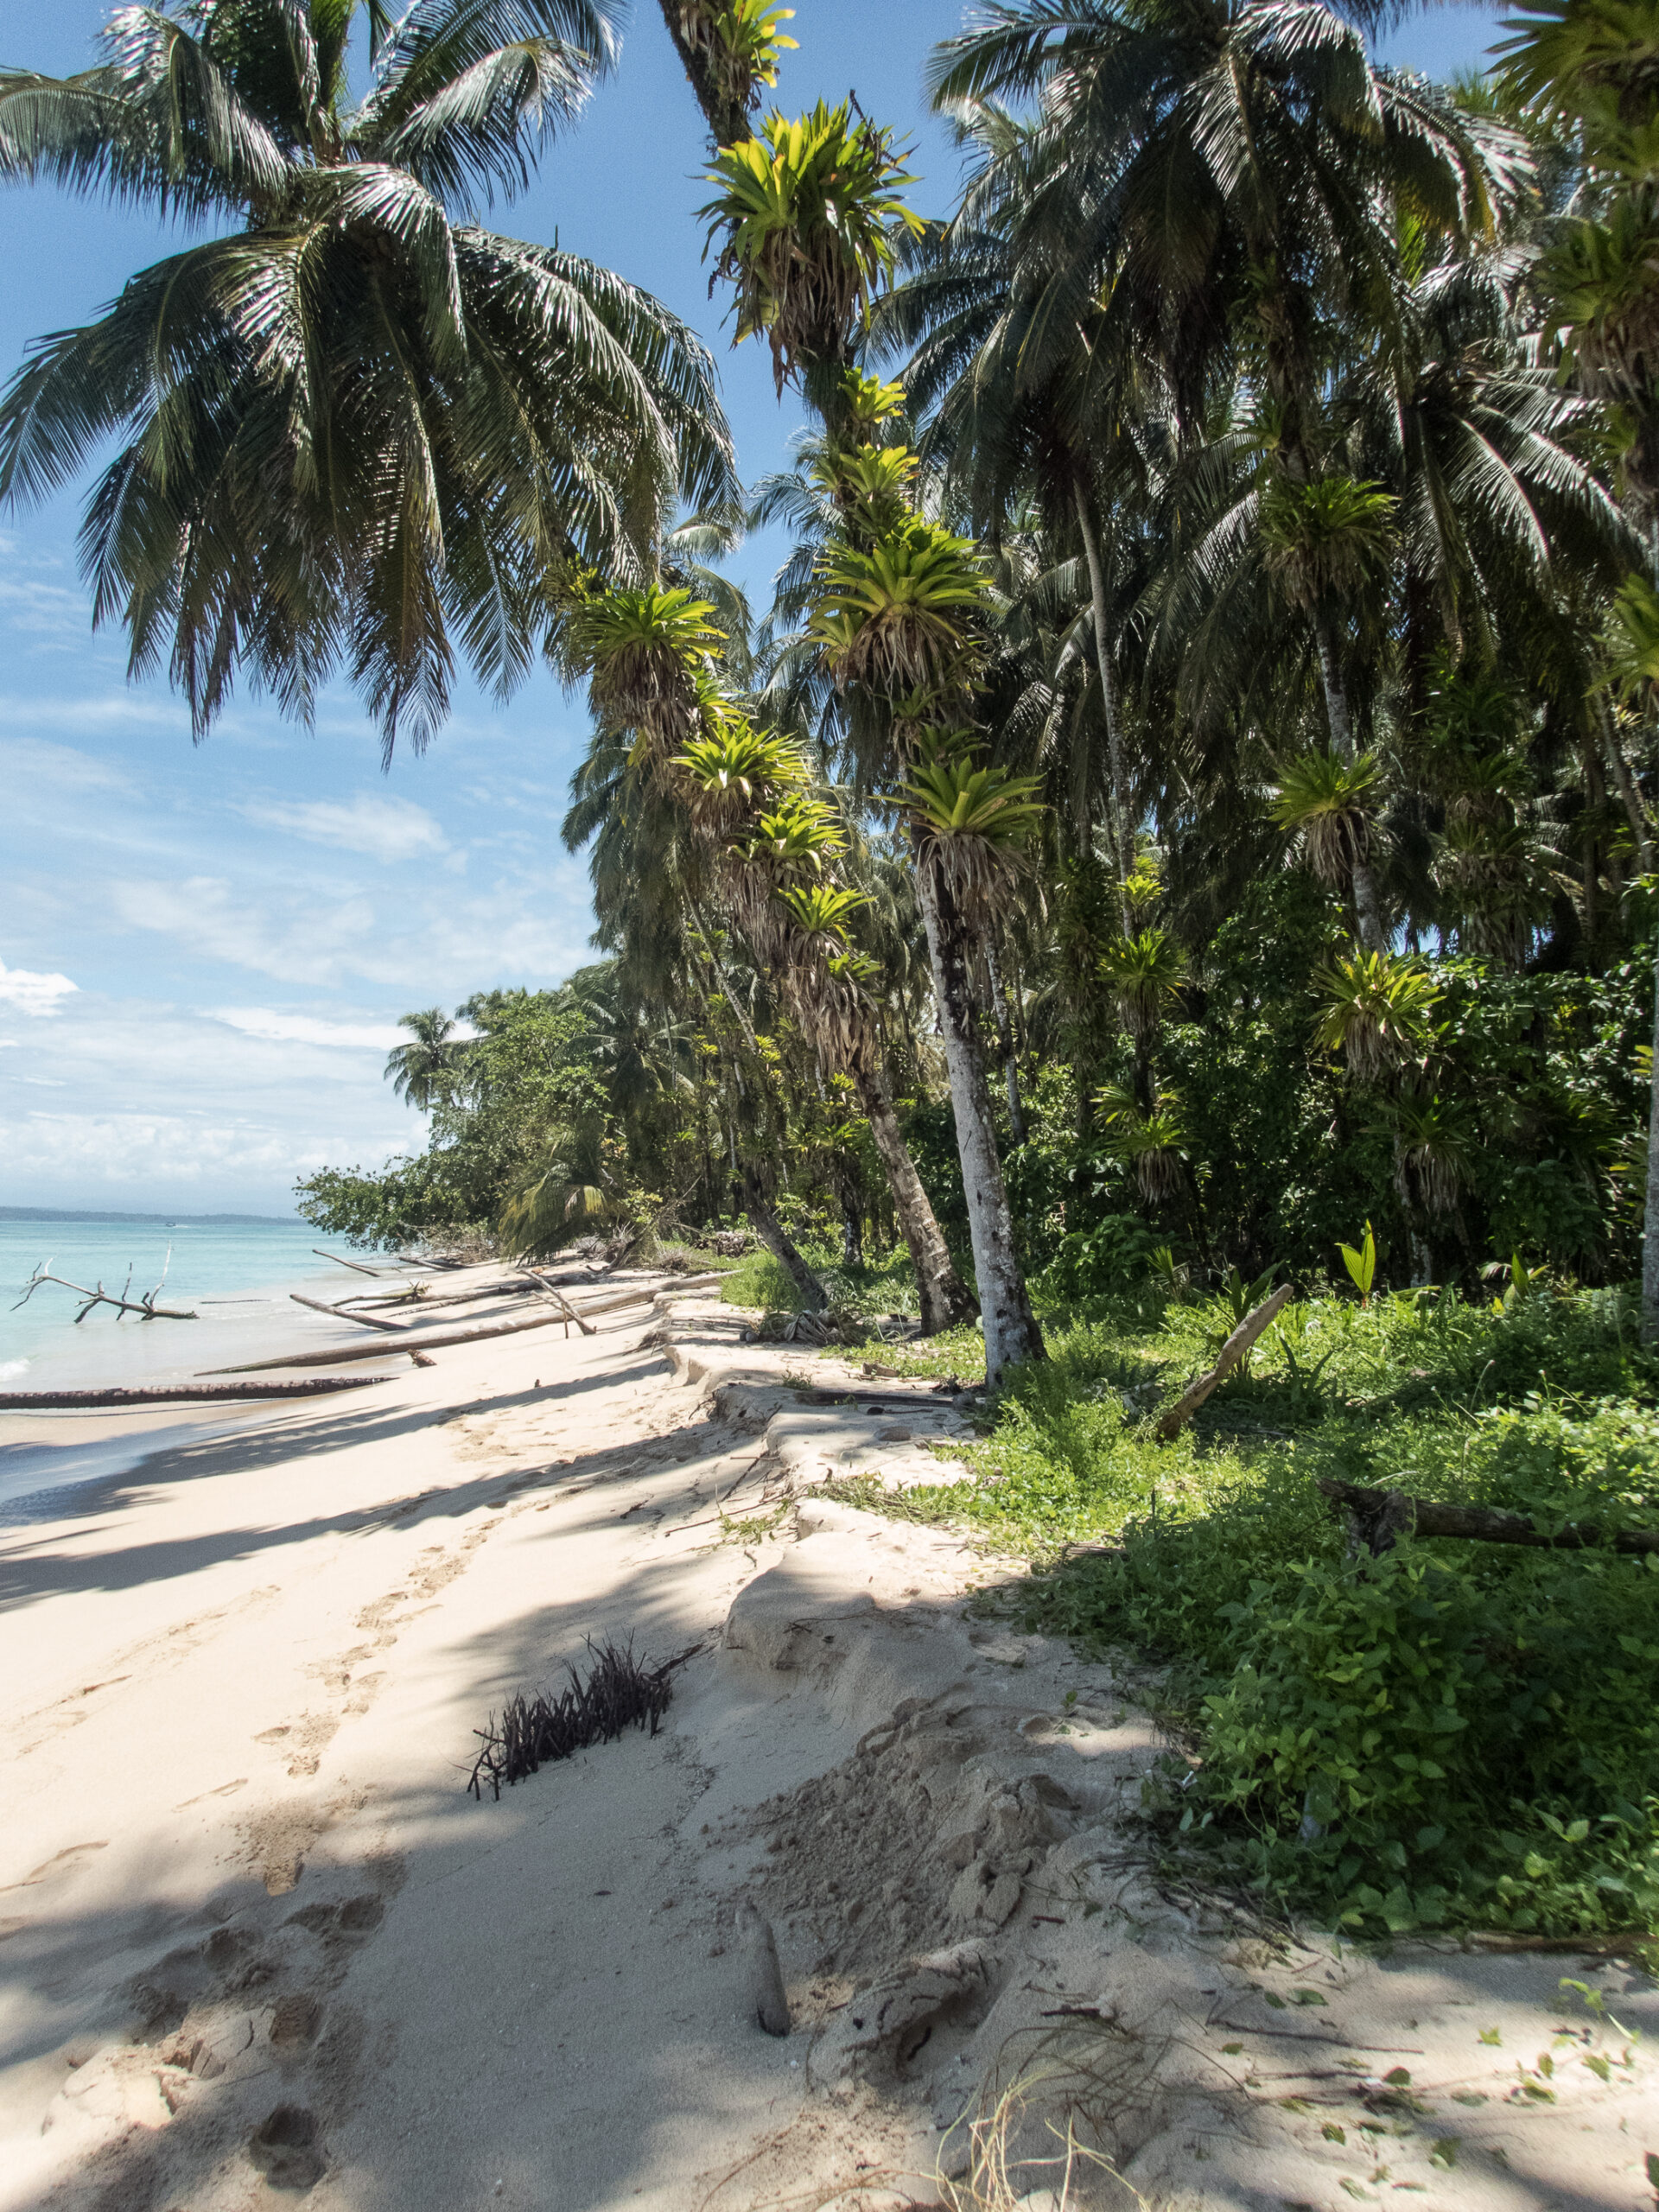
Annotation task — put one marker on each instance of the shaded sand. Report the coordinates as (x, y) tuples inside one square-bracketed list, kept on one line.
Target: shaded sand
[(259, 1944)]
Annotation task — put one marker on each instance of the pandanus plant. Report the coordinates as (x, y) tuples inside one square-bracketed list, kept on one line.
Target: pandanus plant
[(777, 845), (891, 616), (1324, 801), (795, 842), (734, 774), (1151, 1143), (647, 655), (1376, 1009), (972, 829), (1434, 1138), (1145, 971), (731, 49), (803, 226)]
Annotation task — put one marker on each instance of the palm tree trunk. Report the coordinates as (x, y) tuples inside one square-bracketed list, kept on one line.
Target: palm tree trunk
[(728, 120), (1119, 811), (1367, 906), (1011, 1332), (777, 1240), (1005, 1043), (945, 1300)]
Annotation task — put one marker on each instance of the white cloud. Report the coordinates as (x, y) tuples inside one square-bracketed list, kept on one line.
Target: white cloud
[(427, 952), (35, 767), (173, 1155), (304, 1029), (31, 991), (383, 828)]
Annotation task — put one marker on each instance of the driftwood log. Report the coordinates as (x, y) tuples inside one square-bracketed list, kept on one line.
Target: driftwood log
[(143, 1305), (186, 1394), (408, 1342), (1379, 1517), (345, 1313), (552, 1291), (1171, 1422), (377, 1272)]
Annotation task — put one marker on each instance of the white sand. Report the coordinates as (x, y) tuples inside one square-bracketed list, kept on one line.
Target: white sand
[(257, 1941)]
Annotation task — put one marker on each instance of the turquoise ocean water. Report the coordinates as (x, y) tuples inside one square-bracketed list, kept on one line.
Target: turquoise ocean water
[(236, 1276)]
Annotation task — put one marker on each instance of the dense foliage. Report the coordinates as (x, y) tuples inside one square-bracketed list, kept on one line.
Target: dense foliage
[(1451, 1732)]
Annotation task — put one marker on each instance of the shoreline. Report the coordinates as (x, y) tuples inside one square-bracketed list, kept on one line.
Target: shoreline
[(245, 1279)]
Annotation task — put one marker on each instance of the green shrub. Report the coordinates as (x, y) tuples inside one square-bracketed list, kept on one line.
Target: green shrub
[(759, 1280), (1114, 1255)]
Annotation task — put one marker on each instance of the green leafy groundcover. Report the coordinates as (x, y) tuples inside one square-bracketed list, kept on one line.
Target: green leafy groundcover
[(1454, 1734)]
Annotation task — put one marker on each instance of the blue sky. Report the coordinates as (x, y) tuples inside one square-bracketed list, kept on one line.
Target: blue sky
[(204, 951)]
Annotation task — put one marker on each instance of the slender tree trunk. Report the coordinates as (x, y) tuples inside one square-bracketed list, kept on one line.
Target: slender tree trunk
[(777, 1240), (1636, 813), (852, 1235), (1368, 907), (1650, 1214), (1119, 811), (1005, 1043), (945, 1300), (1011, 1332)]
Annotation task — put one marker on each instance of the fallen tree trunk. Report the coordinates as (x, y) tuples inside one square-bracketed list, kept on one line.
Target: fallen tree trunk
[(408, 1342), (186, 1394), (344, 1313), (1381, 1515), (1170, 1424)]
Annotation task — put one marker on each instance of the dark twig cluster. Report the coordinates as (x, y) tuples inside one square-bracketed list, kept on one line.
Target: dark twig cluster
[(531, 1732)]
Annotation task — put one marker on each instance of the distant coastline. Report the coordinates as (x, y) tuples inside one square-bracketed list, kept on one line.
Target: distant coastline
[(164, 1220)]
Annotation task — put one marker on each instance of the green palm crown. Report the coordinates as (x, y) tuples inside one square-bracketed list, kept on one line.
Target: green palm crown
[(357, 422)]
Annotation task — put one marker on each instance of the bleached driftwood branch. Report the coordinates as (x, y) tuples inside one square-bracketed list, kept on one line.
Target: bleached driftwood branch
[(145, 1305), (1170, 1424), (344, 1313)]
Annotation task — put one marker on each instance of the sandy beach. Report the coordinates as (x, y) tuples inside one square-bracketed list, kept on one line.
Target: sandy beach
[(259, 1943)]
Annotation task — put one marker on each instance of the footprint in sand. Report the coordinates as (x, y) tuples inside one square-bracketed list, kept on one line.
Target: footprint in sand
[(67, 1861), (287, 2148)]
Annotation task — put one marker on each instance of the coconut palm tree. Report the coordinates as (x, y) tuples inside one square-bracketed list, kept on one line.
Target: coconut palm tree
[(1232, 174), (355, 429), (428, 1068)]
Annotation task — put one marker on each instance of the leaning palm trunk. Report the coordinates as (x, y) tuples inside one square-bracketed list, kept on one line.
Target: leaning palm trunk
[(1011, 1330), (782, 1247), (1368, 907), (945, 1300)]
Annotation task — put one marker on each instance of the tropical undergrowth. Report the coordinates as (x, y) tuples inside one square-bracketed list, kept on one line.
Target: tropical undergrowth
[(867, 1290), (1455, 1733)]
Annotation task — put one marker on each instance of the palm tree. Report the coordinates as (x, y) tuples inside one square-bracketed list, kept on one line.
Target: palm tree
[(427, 1069), (356, 429), (1233, 174), (760, 838)]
